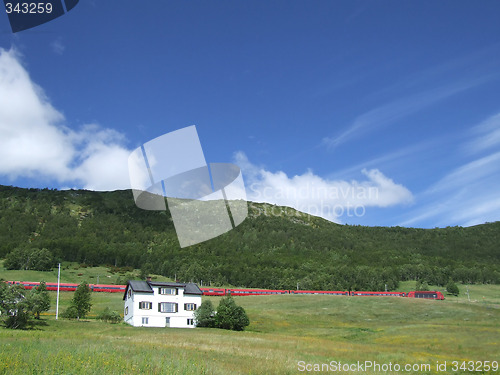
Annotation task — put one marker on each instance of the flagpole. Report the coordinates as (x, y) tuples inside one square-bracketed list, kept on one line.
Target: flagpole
[(58, 279)]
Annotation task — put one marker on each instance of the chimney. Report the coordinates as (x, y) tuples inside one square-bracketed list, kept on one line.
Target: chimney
[(148, 279)]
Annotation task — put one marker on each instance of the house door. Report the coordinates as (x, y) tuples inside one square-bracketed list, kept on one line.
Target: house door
[(167, 322)]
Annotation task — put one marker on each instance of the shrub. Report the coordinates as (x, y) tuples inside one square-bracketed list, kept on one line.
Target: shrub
[(109, 316), (422, 286), (452, 288), (70, 313)]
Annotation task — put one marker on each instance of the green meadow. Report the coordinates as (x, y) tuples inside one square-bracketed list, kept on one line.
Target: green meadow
[(284, 330), (72, 272)]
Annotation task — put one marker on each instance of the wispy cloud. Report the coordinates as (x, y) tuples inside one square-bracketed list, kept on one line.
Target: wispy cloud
[(387, 114), (57, 46), (468, 194), (35, 143), (426, 88), (469, 174), (459, 207), (396, 159), (334, 200), (487, 135)]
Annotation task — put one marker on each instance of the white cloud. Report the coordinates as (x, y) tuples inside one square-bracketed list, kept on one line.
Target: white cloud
[(35, 143), (330, 199)]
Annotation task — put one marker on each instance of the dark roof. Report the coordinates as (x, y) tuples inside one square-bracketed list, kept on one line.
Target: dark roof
[(140, 286), (192, 288), (137, 286)]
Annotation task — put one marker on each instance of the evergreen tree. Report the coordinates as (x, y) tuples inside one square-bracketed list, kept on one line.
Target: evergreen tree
[(240, 319), (81, 302), (205, 315), (231, 316)]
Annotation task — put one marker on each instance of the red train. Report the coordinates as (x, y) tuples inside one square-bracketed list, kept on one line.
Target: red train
[(260, 292), (333, 293), (377, 294), (69, 287), (428, 295)]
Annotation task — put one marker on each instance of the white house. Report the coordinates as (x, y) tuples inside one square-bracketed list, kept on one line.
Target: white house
[(158, 304)]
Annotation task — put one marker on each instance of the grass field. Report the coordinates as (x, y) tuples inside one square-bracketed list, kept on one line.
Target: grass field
[(72, 272), (284, 330)]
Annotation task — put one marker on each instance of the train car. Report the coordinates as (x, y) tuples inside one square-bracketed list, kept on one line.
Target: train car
[(107, 288), (426, 294), (63, 287), (213, 291), (331, 293), (13, 282), (66, 287), (254, 292), (377, 294), (25, 284)]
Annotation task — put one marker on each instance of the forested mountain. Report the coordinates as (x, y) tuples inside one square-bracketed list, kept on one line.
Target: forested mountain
[(275, 247)]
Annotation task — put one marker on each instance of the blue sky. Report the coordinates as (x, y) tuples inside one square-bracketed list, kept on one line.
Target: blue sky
[(373, 113)]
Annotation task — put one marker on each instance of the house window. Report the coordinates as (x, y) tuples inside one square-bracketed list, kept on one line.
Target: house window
[(126, 310), (129, 293), (145, 305), (190, 322), (167, 307), (145, 320), (190, 306), (170, 291)]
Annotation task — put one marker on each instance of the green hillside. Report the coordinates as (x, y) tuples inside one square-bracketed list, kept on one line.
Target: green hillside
[(275, 247)]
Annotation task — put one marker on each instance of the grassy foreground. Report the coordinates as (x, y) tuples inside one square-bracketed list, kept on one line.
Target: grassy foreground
[(284, 330)]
